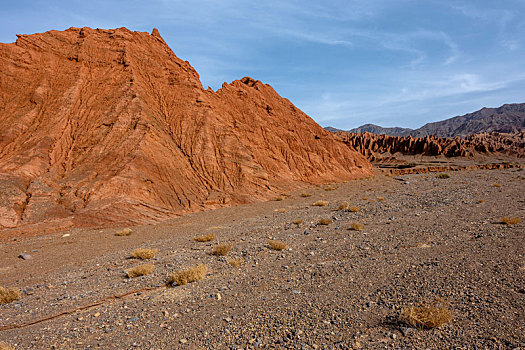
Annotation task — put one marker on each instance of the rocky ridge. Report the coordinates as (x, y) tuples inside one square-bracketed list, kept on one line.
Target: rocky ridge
[(509, 118), (376, 129)]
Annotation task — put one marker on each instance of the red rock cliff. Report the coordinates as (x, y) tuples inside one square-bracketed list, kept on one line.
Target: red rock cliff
[(110, 127)]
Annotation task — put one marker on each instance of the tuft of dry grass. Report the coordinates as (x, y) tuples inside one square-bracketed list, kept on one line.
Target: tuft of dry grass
[(124, 232), (510, 220), (306, 194), (144, 253), (372, 201), (380, 199), (205, 238), (427, 315), (141, 270), (277, 245), (193, 274), (356, 226), (442, 176), (343, 206), (238, 262), (496, 185), (324, 221), (280, 198), (8, 295), (280, 210), (298, 222), (364, 198), (4, 346), (354, 209), (221, 249), (320, 204), (481, 200), (330, 188)]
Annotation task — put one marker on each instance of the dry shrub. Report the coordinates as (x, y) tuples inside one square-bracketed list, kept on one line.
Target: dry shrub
[(364, 198), (4, 346), (330, 188), (281, 210), (320, 204), (324, 221), (221, 249), (380, 199), (193, 274), (141, 270), (298, 222), (427, 315), (372, 201), (496, 185), (238, 262), (356, 226), (343, 206), (354, 209), (144, 253), (442, 176), (510, 220), (280, 198), (306, 194), (8, 295), (481, 200), (277, 245), (124, 232), (205, 238)]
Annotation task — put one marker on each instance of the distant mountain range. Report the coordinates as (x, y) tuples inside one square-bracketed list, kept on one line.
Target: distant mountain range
[(508, 118)]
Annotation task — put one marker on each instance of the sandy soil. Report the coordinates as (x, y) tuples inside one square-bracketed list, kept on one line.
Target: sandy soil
[(334, 288)]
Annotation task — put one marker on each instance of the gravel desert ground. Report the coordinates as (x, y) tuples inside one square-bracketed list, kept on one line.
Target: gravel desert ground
[(331, 288)]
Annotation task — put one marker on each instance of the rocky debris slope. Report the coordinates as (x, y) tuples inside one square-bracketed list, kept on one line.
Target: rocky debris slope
[(380, 147), (334, 288), (101, 127)]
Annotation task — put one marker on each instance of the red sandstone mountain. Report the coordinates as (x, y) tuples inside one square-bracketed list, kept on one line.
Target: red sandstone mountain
[(376, 147), (109, 126)]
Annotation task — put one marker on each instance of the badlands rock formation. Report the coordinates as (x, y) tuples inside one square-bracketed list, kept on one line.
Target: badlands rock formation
[(375, 147), (103, 127)]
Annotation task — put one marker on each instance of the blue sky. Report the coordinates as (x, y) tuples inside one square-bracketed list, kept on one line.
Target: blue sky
[(344, 63)]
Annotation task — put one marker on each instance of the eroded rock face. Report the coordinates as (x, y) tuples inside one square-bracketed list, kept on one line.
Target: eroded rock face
[(379, 147), (105, 127)]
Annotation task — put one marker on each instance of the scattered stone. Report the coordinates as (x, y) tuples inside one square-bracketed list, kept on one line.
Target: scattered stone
[(25, 256), (406, 331)]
